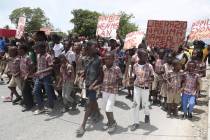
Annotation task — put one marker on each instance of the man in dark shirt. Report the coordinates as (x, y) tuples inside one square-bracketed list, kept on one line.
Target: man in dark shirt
[(93, 77)]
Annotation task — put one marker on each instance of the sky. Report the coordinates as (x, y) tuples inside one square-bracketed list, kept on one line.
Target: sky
[(59, 11)]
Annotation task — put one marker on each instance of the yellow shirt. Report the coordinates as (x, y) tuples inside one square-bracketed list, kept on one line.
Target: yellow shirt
[(205, 53)]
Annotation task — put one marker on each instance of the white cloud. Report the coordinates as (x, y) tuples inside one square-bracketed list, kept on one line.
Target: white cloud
[(59, 11)]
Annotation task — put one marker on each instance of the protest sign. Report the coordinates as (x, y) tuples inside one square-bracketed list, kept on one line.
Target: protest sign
[(20, 28), (107, 26), (133, 39), (165, 34), (47, 30), (200, 30)]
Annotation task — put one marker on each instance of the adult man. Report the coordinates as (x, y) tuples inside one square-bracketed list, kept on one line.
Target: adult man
[(93, 77)]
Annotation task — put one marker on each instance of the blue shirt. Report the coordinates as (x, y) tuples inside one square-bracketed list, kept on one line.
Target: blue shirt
[(2, 45)]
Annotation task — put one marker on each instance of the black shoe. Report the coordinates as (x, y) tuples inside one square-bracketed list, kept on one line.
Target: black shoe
[(16, 100), (190, 115), (26, 109), (184, 116), (128, 96), (134, 127), (147, 119)]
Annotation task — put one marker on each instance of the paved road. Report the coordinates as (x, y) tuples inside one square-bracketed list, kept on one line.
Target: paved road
[(15, 125)]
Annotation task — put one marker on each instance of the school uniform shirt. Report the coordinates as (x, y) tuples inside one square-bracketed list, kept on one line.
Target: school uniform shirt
[(175, 80), (70, 56), (14, 65), (67, 73), (143, 74), (58, 49), (190, 81), (25, 63), (110, 81), (43, 62)]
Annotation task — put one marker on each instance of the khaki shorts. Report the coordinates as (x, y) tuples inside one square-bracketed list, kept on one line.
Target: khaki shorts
[(16, 81), (164, 90), (173, 96)]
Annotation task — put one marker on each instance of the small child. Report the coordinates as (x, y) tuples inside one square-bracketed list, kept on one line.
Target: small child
[(175, 84), (112, 77), (26, 67), (164, 88), (67, 80), (129, 80), (190, 88), (159, 70), (14, 69)]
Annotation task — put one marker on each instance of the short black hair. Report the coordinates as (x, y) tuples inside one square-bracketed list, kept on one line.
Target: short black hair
[(91, 43), (40, 36)]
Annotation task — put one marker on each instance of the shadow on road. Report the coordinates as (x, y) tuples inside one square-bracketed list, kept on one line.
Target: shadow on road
[(122, 105)]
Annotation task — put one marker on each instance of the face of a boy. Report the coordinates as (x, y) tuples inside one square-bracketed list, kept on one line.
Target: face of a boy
[(143, 57), (109, 59), (191, 67)]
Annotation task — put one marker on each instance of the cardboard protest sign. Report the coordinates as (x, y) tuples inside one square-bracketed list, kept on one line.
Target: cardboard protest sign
[(47, 30), (133, 39), (165, 34), (200, 30), (20, 28), (107, 26)]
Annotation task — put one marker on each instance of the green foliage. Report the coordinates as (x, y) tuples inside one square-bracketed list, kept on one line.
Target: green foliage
[(85, 22), (125, 24), (35, 18)]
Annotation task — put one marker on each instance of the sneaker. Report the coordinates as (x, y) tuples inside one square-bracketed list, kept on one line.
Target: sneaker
[(147, 119), (106, 126), (128, 96), (80, 131), (190, 115), (112, 127), (168, 115), (184, 116), (16, 100), (39, 111), (26, 109), (48, 109), (134, 127)]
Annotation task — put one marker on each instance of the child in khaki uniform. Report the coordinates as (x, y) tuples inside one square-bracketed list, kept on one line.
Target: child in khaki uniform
[(174, 84)]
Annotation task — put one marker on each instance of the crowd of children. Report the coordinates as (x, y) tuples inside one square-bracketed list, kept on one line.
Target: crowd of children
[(42, 66)]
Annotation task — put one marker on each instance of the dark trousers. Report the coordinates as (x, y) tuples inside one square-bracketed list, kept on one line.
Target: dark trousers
[(27, 93)]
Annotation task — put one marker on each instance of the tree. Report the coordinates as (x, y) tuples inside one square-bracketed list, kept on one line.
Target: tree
[(125, 24), (35, 18), (6, 27), (85, 22)]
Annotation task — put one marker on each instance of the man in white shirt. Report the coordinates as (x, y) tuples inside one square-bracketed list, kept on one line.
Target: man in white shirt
[(58, 47), (70, 55)]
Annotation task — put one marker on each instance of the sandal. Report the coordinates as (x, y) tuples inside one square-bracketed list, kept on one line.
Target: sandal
[(80, 131)]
